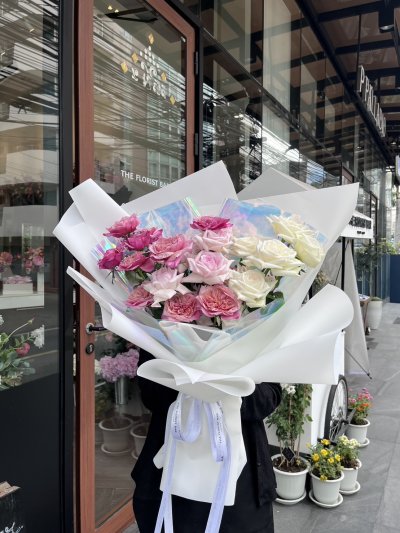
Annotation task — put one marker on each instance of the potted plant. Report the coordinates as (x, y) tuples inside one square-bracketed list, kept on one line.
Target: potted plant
[(119, 370), (288, 419), (326, 474), (374, 312), (348, 451), (360, 404)]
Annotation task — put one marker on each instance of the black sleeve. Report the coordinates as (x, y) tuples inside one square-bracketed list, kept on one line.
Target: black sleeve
[(264, 400), (155, 397)]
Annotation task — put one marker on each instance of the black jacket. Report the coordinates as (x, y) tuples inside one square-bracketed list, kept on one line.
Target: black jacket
[(256, 484)]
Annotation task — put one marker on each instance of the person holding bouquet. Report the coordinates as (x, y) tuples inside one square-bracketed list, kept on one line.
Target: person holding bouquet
[(252, 511)]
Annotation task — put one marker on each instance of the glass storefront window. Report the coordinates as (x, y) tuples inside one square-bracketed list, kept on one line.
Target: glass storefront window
[(29, 181)]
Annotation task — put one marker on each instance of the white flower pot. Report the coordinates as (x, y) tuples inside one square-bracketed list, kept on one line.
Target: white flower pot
[(354, 431), (348, 482), (116, 433), (139, 433), (374, 313), (326, 492), (290, 485)]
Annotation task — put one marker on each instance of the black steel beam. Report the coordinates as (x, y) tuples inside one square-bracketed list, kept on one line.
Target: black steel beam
[(353, 11), (312, 17), (364, 47)]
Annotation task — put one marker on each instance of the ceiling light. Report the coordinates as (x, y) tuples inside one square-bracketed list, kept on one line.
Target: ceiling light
[(386, 19), (110, 7)]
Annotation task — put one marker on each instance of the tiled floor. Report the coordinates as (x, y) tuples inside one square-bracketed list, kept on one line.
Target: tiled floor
[(376, 507)]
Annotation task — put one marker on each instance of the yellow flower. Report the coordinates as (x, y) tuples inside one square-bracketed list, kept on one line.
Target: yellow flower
[(323, 478), (325, 442), (337, 457), (324, 453), (331, 460), (315, 457)]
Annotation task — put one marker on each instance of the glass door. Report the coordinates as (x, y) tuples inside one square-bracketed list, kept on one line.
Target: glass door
[(135, 134)]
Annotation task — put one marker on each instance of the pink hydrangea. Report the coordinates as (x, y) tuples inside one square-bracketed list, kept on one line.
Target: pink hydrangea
[(219, 300), (123, 227), (182, 308), (137, 260), (110, 259), (213, 223), (143, 238), (139, 298), (170, 250), (123, 364)]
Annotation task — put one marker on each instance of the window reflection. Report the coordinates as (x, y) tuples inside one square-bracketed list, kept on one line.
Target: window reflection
[(29, 177)]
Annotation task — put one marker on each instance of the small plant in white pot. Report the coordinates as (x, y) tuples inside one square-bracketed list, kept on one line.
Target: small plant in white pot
[(348, 451), (326, 474), (360, 403), (288, 419)]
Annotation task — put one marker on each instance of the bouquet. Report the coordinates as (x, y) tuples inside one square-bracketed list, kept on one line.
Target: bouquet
[(217, 301), (33, 259), (13, 348), (6, 259)]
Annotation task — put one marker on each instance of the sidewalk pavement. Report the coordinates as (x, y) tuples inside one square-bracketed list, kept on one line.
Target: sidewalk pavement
[(376, 507)]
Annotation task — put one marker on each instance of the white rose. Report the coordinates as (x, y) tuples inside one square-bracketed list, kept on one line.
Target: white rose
[(252, 287), (274, 255), (244, 246), (289, 228), (309, 250)]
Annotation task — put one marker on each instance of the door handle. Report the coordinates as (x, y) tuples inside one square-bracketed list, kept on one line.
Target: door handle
[(91, 328)]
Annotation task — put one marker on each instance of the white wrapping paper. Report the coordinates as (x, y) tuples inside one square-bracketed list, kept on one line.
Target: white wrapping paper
[(292, 345)]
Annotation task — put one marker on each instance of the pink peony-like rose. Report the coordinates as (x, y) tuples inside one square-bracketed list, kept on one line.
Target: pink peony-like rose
[(142, 238), (164, 284), (23, 350), (208, 267), (38, 260), (213, 223), (139, 298), (214, 240), (110, 259), (182, 308), (137, 260), (123, 227), (170, 250), (219, 300)]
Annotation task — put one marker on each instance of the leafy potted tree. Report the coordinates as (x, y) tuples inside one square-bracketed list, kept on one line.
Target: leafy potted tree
[(360, 403), (288, 421), (348, 451), (326, 475)]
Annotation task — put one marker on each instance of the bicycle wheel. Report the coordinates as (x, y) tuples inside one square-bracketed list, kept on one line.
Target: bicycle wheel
[(336, 410)]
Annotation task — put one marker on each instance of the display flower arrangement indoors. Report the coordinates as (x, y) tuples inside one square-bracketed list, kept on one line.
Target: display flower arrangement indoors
[(33, 259), (348, 451), (326, 474), (359, 403), (116, 429), (14, 347), (288, 421), (6, 259)]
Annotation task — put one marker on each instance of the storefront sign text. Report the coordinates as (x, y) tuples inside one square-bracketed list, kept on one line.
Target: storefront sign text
[(153, 182), (365, 88)]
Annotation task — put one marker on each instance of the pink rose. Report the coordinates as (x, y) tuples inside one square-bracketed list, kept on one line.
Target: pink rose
[(110, 259), (219, 300), (139, 298), (23, 350), (137, 260), (123, 227), (164, 284), (170, 250), (214, 223), (182, 308), (38, 260), (142, 238), (212, 240), (208, 267)]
